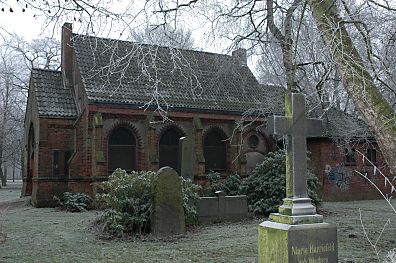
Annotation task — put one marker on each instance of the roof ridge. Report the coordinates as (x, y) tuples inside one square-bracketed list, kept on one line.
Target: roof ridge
[(154, 45)]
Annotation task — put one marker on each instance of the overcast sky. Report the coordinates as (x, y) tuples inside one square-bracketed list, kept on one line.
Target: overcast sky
[(30, 27), (21, 23)]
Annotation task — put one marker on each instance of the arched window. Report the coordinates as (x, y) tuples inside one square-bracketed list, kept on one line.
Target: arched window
[(169, 148), (215, 152), (122, 150)]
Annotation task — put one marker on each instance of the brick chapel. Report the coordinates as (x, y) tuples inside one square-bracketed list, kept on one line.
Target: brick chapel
[(107, 108)]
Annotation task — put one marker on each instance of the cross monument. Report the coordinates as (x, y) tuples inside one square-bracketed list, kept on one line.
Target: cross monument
[(296, 234), (297, 128)]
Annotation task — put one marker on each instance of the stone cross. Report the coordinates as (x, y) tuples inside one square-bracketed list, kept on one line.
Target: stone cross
[(297, 128)]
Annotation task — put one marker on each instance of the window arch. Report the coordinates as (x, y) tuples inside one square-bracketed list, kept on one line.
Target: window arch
[(121, 150), (168, 148), (215, 151)]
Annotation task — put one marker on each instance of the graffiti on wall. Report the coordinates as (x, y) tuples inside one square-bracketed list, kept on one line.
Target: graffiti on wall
[(339, 176)]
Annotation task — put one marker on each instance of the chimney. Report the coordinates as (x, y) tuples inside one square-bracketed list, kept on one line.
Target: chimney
[(240, 57), (67, 53)]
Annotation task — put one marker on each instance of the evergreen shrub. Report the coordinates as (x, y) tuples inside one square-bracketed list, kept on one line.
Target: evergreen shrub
[(265, 187), (128, 199), (230, 185), (74, 202)]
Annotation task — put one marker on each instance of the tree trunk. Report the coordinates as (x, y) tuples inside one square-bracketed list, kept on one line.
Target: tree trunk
[(4, 177), (376, 111), (13, 171)]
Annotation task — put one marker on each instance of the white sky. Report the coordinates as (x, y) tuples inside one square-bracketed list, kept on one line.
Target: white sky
[(26, 25), (21, 23)]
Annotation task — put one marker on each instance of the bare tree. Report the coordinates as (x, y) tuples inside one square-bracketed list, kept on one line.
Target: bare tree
[(164, 35), (38, 53), (11, 104), (358, 80), (17, 57)]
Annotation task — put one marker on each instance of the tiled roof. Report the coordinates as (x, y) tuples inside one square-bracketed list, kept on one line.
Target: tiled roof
[(343, 125), (53, 99), (272, 99), (124, 72), (337, 124)]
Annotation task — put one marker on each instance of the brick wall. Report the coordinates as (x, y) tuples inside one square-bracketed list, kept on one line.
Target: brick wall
[(31, 125), (55, 135), (340, 180), (148, 129), (87, 139)]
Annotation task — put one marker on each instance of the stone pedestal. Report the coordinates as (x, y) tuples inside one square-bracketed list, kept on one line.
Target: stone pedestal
[(304, 243)]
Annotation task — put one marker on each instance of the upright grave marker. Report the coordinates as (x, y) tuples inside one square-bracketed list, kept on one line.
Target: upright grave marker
[(296, 233), (167, 218), (186, 158)]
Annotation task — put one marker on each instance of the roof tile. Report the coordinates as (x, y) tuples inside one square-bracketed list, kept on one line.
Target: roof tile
[(116, 71), (53, 98)]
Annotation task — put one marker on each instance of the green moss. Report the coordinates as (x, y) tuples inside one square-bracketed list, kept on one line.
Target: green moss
[(149, 121), (289, 175), (272, 245), (98, 121), (288, 220), (197, 123), (289, 164), (99, 157)]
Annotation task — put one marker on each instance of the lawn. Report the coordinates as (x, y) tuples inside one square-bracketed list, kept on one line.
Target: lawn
[(48, 235), (7, 193)]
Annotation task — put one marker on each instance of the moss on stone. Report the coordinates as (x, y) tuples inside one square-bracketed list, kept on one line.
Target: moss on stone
[(99, 157), (272, 245), (197, 123), (98, 121)]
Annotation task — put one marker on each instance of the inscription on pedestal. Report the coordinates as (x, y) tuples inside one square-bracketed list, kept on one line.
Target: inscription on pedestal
[(313, 245), (313, 253)]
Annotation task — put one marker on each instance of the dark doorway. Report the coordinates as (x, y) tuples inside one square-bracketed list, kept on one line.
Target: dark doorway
[(122, 150), (215, 152), (169, 148)]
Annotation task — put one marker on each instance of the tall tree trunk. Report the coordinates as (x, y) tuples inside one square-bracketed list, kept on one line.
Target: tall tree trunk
[(2, 135), (360, 86), (3, 126), (4, 178), (13, 171)]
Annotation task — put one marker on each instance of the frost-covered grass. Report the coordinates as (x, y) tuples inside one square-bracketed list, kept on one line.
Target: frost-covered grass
[(376, 217), (9, 194), (48, 235)]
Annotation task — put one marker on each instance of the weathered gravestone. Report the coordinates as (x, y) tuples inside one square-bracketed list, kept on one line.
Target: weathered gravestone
[(296, 233), (167, 218), (186, 158)]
